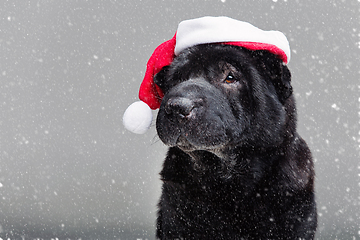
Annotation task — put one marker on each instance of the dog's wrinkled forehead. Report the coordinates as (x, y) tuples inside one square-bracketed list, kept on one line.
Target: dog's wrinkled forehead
[(207, 60), (210, 62)]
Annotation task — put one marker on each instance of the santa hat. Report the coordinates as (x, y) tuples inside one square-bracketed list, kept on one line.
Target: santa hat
[(223, 30)]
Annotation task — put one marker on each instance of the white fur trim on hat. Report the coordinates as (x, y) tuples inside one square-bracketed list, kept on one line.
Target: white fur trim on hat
[(223, 29)]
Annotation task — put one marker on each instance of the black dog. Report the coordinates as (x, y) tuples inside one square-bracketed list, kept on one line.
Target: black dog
[(236, 167)]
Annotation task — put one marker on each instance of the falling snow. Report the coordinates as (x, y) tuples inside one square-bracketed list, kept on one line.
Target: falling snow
[(68, 70)]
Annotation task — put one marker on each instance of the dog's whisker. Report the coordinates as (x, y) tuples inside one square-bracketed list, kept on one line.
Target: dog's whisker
[(155, 140)]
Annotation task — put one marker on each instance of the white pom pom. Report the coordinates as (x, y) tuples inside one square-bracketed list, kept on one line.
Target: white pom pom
[(137, 117)]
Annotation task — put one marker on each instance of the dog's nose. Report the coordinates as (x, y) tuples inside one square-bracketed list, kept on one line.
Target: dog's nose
[(179, 107)]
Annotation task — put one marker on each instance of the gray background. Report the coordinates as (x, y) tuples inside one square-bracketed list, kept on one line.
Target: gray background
[(69, 69)]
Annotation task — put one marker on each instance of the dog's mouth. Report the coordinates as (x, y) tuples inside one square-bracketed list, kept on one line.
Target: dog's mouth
[(186, 144), (224, 160)]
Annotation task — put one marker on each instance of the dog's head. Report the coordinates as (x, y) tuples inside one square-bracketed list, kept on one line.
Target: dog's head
[(217, 96), (230, 86)]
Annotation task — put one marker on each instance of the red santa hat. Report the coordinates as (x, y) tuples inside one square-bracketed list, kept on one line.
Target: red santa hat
[(223, 30)]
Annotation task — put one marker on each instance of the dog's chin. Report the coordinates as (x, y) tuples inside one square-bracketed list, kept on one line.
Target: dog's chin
[(188, 145)]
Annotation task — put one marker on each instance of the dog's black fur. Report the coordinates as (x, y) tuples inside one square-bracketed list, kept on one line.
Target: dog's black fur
[(236, 167)]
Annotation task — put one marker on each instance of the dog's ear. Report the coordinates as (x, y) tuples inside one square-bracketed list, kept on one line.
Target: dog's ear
[(277, 72), (283, 83), (160, 78)]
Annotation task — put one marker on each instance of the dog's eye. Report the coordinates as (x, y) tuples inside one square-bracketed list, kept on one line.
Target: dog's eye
[(230, 78)]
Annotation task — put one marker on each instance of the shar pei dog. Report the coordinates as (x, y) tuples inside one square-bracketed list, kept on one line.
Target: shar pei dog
[(236, 167)]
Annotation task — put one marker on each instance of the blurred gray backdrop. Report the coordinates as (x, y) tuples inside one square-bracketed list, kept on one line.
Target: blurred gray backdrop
[(69, 69)]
